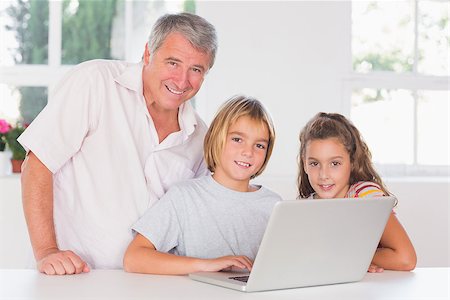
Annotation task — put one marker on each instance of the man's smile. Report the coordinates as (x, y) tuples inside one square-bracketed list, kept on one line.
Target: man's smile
[(174, 91)]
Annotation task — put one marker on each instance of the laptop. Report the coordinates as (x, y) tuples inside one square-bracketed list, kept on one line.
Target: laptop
[(310, 243)]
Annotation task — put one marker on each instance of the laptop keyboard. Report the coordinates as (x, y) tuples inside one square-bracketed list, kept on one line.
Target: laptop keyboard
[(239, 278)]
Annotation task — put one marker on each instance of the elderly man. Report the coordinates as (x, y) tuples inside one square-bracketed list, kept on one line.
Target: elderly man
[(113, 138)]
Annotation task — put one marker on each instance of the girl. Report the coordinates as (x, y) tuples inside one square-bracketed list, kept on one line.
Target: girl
[(214, 222), (335, 162)]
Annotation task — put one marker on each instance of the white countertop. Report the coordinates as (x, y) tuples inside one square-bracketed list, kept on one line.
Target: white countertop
[(422, 283)]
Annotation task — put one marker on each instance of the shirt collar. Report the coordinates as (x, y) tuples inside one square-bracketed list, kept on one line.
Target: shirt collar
[(131, 77), (187, 118)]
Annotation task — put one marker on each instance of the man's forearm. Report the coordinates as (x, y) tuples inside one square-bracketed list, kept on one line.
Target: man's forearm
[(37, 198)]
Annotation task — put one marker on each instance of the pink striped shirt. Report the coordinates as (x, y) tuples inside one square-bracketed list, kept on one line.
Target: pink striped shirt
[(364, 189)]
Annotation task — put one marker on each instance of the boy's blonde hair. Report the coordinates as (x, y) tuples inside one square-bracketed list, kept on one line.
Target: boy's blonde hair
[(331, 125), (234, 108)]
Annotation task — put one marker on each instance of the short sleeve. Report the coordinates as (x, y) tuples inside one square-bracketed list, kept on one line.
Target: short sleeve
[(160, 224), (365, 189), (59, 130)]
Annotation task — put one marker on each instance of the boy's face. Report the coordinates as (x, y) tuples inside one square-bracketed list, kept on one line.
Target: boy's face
[(328, 166), (243, 154)]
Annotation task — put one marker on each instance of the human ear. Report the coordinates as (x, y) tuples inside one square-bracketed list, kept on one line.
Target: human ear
[(146, 56)]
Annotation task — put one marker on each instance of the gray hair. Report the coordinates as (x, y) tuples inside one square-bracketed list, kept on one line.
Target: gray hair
[(199, 32)]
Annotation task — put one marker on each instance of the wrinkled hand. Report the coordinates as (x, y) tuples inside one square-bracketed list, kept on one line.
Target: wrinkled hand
[(59, 262), (227, 263), (375, 269)]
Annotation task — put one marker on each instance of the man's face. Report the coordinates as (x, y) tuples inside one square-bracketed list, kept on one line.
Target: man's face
[(173, 74)]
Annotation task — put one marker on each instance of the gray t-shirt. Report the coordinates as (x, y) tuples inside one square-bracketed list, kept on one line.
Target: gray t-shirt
[(201, 218)]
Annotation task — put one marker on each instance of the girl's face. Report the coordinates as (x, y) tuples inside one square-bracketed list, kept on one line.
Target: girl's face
[(243, 154), (328, 166)]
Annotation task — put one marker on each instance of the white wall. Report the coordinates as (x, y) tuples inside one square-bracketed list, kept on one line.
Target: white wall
[(15, 247), (290, 55), (424, 211)]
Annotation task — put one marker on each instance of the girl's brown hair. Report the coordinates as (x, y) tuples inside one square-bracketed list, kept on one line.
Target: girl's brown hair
[(331, 125), (236, 107)]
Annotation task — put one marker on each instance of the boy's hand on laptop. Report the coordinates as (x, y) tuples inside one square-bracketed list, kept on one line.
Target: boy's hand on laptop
[(227, 263), (375, 269)]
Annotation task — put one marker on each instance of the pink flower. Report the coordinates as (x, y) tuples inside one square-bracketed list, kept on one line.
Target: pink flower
[(4, 126)]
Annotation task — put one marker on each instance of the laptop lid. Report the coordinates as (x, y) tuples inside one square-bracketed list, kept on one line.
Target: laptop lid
[(313, 242)]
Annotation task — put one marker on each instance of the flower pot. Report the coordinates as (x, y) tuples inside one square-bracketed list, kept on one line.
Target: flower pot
[(16, 165)]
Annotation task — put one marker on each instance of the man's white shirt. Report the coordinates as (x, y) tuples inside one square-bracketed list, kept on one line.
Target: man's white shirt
[(99, 141)]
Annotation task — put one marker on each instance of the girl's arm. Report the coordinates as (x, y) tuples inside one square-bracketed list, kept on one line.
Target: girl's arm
[(142, 257), (397, 251)]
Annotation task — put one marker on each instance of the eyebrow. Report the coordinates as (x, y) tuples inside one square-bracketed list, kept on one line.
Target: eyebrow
[(262, 140), (331, 158), (173, 58)]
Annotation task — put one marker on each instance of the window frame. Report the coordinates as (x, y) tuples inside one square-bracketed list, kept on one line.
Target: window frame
[(49, 74), (412, 81)]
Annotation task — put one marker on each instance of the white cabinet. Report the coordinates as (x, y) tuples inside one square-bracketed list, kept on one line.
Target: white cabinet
[(15, 247)]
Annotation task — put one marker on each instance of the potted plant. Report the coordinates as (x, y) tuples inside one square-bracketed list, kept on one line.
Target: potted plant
[(18, 152), (4, 129)]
